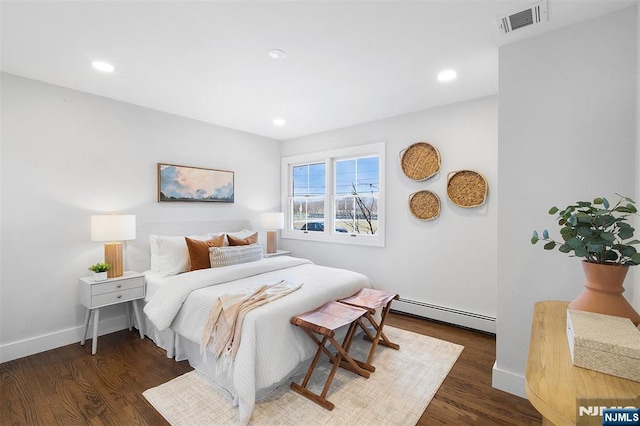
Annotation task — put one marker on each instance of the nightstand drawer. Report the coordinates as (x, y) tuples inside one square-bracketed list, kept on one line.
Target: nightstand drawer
[(94, 294), (117, 296), (119, 285)]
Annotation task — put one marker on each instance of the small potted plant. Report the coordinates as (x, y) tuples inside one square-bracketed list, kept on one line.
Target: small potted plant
[(599, 233), (100, 271)]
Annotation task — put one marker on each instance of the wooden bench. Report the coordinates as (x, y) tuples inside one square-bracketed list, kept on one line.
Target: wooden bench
[(324, 321), (371, 300)]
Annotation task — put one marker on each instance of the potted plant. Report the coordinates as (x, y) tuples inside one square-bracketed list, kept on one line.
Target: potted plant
[(100, 271), (599, 233)]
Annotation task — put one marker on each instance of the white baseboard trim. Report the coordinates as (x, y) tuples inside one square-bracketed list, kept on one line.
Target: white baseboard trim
[(445, 314), (22, 348), (508, 381)]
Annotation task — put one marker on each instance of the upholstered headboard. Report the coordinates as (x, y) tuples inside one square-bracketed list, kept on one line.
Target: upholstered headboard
[(139, 253)]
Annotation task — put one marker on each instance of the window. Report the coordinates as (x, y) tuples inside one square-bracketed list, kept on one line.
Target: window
[(307, 203), (336, 195), (357, 185)]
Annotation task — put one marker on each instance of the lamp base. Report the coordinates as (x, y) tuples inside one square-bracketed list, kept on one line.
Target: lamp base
[(113, 256), (272, 242)]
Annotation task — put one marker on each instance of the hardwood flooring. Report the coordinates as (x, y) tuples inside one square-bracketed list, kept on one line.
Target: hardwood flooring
[(466, 396), (69, 386)]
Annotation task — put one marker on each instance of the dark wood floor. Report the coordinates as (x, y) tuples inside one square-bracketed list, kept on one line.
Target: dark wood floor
[(69, 386), (466, 396)]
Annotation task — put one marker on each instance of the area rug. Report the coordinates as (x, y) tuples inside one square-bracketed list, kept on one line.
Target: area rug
[(397, 393)]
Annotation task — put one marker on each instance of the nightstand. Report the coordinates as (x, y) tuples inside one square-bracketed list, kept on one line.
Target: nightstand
[(278, 253), (98, 294)]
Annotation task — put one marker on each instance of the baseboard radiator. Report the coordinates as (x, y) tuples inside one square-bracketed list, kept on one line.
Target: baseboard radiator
[(445, 314)]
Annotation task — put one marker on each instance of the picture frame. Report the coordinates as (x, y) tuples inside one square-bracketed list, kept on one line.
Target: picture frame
[(194, 184)]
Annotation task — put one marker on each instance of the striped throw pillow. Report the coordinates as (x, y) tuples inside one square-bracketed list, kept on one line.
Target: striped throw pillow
[(233, 255)]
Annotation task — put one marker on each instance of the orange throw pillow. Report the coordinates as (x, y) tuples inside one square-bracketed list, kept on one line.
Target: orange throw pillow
[(199, 251), (251, 239)]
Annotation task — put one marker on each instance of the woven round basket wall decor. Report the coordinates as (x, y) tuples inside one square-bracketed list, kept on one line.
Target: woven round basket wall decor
[(466, 188), (424, 205), (420, 161)]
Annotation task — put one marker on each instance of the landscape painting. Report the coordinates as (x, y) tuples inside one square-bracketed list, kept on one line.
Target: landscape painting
[(183, 183)]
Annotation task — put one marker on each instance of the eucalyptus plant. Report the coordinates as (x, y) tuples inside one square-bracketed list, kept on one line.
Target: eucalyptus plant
[(595, 231), (100, 267)]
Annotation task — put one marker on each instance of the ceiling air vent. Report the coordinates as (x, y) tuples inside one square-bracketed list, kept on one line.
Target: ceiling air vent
[(532, 15)]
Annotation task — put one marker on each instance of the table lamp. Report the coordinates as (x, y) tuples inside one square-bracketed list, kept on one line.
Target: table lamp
[(271, 222), (114, 229)]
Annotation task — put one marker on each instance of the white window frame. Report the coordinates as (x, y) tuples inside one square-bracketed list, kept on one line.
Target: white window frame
[(329, 159)]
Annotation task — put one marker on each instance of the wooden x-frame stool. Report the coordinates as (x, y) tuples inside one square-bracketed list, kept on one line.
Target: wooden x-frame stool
[(372, 300), (324, 321)]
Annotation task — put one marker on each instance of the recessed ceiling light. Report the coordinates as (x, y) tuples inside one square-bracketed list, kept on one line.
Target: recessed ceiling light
[(279, 122), (447, 75), (277, 54), (102, 66)]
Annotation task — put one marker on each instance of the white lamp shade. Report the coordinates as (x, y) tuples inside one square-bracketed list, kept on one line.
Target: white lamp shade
[(113, 227), (272, 220)]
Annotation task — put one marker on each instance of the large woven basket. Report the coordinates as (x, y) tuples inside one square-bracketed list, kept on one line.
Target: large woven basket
[(425, 205), (420, 161), (467, 188)]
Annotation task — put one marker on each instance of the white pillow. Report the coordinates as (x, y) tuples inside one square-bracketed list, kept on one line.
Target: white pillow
[(238, 234), (169, 255), (225, 256)]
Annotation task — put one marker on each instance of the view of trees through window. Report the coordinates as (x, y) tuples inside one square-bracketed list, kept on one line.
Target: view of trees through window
[(354, 192)]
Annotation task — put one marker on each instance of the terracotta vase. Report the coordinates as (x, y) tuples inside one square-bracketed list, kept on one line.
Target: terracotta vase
[(603, 292)]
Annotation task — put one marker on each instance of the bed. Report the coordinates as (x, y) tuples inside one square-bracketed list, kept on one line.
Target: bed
[(177, 307)]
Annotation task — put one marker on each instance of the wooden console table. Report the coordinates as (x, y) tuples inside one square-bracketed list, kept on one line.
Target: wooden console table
[(553, 383)]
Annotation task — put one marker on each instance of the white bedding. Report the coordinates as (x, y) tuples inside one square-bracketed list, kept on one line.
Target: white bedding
[(271, 348), (165, 304), (154, 281)]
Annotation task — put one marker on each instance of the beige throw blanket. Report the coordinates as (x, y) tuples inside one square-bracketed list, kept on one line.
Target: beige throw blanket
[(224, 326)]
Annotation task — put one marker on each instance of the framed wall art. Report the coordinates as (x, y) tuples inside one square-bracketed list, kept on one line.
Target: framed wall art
[(196, 184)]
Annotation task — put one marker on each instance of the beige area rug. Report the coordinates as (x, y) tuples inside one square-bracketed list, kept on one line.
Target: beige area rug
[(397, 393)]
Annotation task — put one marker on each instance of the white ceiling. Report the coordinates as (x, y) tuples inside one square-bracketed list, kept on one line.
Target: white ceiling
[(347, 62)]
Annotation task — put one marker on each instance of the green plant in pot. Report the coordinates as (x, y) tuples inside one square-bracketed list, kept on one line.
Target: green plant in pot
[(599, 233), (100, 271)]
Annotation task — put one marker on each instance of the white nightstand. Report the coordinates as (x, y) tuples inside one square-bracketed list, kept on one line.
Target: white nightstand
[(278, 253), (97, 294)]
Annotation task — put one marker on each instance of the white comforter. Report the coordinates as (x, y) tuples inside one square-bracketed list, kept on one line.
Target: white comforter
[(270, 348), (165, 304)]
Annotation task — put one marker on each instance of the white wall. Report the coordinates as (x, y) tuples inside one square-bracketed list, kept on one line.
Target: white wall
[(66, 155), (450, 261), (566, 133), (636, 277)]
